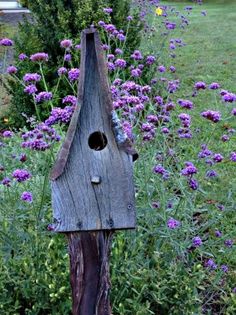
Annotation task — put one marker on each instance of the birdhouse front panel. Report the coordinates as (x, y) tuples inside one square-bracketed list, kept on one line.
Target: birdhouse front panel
[(92, 180)]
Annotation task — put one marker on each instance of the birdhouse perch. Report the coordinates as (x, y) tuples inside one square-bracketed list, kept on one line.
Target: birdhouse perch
[(92, 179)]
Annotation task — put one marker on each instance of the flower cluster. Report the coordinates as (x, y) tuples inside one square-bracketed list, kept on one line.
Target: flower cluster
[(6, 42), (41, 138), (39, 57), (21, 175)]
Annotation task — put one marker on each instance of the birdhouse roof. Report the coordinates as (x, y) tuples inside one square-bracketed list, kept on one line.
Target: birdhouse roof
[(126, 144)]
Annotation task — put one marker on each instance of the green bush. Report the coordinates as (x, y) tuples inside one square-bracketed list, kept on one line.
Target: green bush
[(53, 21)]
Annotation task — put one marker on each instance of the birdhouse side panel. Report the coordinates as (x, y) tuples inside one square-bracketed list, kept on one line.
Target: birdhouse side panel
[(79, 204)]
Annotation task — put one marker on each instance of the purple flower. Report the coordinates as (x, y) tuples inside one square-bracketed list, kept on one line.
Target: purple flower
[(197, 241), (41, 137), (111, 66), (214, 86), (6, 182), (66, 43), (136, 73), (62, 115), (193, 184), (73, 74), (233, 156), (221, 207), (169, 106), (159, 169), (152, 118), (128, 129), (107, 10), (173, 224), (161, 69), (218, 157), (184, 133), (22, 57), (67, 57), (27, 196), (159, 100), (211, 115), (172, 69), (120, 63), (170, 25), (110, 28), (225, 138), (224, 268), (189, 169), (43, 96), (156, 204), (62, 71), (228, 243), (101, 23), (121, 37), (185, 104), (188, 8), (150, 60), (71, 99), (21, 175), (204, 152), (31, 77), (7, 134), (200, 85), (40, 56), (137, 55), (173, 86), (211, 173), (218, 233), (11, 70), (129, 18), (229, 97), (118, 51), (165, 130), (78, 47), (185, 119), (233, 112), (110, 57), (6, 42), (223, 92), (146, 127), (30, 89), (211, 264), (23, 158)]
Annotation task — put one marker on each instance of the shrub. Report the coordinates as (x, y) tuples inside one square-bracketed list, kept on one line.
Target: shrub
[(51, 21)]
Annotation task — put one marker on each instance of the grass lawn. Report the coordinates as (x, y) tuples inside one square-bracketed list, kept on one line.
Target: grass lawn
[(210, 54)]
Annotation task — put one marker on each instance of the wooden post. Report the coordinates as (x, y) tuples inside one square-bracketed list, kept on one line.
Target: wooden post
[(89, 272), (92, 183)]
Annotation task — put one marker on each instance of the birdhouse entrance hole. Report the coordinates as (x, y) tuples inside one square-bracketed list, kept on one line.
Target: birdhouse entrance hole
[(97, 141)]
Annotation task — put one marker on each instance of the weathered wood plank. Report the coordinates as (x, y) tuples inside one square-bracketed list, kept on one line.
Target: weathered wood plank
[(91, 151)]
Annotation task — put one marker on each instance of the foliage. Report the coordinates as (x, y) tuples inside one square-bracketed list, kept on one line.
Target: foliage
[(181, 258), (51, 21)]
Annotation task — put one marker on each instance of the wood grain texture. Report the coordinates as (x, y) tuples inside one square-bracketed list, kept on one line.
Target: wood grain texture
[(89, 272), (80, 204)]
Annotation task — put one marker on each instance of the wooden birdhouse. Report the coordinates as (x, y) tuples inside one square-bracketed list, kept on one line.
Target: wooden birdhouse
[(92, 179)]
